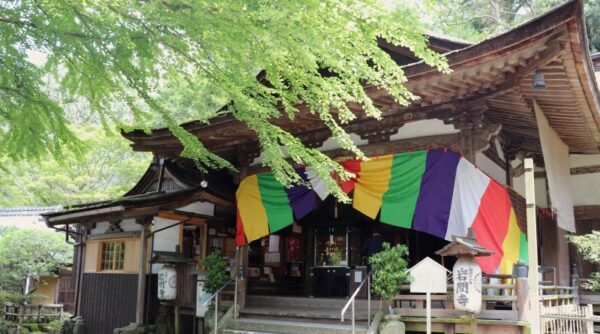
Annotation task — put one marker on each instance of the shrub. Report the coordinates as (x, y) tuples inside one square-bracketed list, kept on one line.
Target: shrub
[(589, 246), (389, 270), (215, 272)]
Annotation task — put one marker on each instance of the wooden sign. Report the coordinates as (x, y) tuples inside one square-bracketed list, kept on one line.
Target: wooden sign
[(428, 277)]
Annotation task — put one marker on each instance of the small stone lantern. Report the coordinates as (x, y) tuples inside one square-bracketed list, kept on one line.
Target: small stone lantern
[(466, 273)]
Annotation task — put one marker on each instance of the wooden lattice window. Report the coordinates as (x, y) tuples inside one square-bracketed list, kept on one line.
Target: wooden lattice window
[(113, 256)]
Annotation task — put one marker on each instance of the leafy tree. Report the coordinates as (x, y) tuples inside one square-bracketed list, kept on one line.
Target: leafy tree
[(30, 253), (589, 246), (475, 20), (105, 170), (121, 54), (389, 270)]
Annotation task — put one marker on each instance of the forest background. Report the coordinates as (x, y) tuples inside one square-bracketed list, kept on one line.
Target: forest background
[(106, 167)]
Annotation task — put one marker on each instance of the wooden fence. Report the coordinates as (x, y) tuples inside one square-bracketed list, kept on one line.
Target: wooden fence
[(32, 313), (567, 319)]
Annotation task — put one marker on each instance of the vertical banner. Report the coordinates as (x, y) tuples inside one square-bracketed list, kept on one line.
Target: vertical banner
[(558, 171), (201, 298)]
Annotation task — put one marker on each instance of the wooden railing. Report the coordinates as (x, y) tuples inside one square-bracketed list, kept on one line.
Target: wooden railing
[(500, 301), (556, 295), (32, 313)]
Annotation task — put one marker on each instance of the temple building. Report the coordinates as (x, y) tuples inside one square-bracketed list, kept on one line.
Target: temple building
[(449, 164)]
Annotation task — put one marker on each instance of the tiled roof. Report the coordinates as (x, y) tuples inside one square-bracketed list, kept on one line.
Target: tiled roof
[(28, 210)]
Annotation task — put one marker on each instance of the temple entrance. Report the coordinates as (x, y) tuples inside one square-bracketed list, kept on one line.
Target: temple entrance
[(320, 256)]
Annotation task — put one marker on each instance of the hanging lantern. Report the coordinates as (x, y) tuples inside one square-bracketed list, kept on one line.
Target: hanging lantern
[(167, 283), (538, 82), (467, 285)]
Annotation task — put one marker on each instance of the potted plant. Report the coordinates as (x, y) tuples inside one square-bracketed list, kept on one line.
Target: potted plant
[(389, 269)]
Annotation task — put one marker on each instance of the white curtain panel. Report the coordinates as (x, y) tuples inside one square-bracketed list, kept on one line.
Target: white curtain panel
[(558, 171)]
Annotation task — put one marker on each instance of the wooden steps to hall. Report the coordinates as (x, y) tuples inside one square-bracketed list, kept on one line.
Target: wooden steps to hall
[(296, 315)]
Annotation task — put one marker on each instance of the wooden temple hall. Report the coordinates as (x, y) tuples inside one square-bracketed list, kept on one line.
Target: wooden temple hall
[(451, 164)]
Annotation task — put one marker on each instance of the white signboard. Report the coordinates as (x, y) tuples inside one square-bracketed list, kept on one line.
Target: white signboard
[(467, 285), (428, 277), (201, 298)]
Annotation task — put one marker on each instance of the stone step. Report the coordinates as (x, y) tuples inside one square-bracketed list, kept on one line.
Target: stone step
[(240, 331), (262, 325), (303, 312)]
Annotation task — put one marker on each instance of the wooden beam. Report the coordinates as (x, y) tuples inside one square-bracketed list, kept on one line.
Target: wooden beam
[(587, 212)]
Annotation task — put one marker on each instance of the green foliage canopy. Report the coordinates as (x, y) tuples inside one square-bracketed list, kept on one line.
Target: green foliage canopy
[(106, 169), (123, 53), (588, 245), (30, 252), (389, 270), (475, 20)]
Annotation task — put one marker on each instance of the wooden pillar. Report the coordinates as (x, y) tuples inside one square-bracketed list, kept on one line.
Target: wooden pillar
[(242, 251), (510, 153), (522, 288), (532, 247), (80, 268), (242, 283), (575, 284), (141, 286), (475, 133), (466, 137), (563, 270)]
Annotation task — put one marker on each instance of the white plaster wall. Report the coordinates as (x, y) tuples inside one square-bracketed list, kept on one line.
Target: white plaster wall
[(586, 187), (100, 228), (416, 129), (541, 195), (331, 143), (168, 240), (203, 208), (129, 225), (424, 128), (490, 168), (165, 240), (582, 160)]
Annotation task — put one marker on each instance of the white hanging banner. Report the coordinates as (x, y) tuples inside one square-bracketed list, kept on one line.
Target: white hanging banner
[(558, 171)]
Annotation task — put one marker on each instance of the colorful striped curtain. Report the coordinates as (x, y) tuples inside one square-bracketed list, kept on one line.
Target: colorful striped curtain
[(436, 192)]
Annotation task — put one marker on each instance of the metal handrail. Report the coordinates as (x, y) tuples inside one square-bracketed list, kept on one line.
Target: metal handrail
[(352, 299), (215, 295)]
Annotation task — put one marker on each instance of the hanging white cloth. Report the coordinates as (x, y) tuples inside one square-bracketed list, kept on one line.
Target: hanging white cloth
[(558, 171)]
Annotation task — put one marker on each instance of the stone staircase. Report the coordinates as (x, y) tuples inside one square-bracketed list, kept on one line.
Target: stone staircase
[(296, 315)]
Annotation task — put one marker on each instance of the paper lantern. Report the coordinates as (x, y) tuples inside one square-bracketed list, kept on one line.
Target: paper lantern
[(167, 283), (467, 285)]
